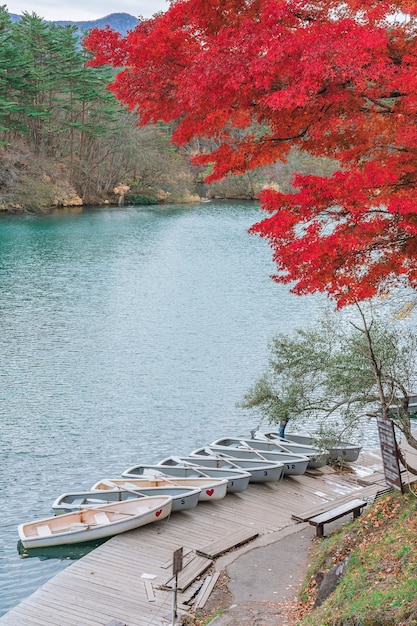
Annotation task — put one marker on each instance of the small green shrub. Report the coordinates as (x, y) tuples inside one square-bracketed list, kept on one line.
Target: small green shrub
[(141, 200)]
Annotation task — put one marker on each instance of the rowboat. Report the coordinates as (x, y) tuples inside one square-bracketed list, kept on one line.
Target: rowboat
[(238, 480), (260, 471), (294, 464), (338, 450), (95, 523), (183, 498), (210, 488), (316, 457)]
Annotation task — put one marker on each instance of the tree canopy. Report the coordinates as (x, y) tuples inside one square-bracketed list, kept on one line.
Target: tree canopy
[(341, 370), (263, 77)]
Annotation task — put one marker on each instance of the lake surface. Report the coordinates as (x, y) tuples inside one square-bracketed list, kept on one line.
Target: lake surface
[(126, 335)]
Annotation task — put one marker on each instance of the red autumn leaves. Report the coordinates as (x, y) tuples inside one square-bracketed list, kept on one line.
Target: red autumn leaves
[(263, 77)]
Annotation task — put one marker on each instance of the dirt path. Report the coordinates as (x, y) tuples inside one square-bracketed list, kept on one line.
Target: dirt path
[(260, 585)]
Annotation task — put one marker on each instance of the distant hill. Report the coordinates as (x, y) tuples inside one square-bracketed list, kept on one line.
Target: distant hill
[(121, 22)]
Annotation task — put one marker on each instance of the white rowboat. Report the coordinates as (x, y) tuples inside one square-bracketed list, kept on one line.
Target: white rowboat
[(294, 464), (338, 450), (183, 498), (260, 471), (316, 457), (238, 480), (210, 488), (96, 523)]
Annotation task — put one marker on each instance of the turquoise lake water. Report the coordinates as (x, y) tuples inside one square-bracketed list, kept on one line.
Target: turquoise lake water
[(126, 335)]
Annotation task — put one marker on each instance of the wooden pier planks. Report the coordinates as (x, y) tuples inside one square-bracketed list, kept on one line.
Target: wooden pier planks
[(197, 566), (366, 493), (205, 590), (107, 584)]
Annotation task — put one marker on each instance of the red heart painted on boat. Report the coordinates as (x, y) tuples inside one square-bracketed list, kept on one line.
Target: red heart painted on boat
[(209, 492), (158, 513)]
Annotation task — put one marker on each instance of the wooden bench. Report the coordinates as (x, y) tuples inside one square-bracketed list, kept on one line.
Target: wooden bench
[(354, 506)]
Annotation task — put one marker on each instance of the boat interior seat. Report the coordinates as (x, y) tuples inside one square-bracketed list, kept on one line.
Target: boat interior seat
[(78, 500), (101, 518), (77, 526), (44, 531)]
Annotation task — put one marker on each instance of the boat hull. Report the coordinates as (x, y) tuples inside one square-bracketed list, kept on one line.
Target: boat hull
[(340, 451), (237, 480), (96, 523), (316, 458), (293, 464), (260, 471), (183, 498), (211, 489)]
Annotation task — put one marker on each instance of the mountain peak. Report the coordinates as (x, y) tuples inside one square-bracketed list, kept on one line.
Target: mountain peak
[(120, 22)]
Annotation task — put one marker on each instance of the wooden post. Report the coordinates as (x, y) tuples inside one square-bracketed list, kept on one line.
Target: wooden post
[(389, 453), (176, 568)]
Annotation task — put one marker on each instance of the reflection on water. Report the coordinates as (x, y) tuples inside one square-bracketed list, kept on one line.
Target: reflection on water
[(126, 335), (61, 553)]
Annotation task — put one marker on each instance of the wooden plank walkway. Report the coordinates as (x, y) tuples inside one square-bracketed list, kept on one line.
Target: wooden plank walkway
[(124, 578)]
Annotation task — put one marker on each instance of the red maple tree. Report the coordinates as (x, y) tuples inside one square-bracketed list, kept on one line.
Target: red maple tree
[(262, 77)]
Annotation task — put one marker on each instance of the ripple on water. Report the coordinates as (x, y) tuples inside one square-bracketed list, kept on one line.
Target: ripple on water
[(126, 335)]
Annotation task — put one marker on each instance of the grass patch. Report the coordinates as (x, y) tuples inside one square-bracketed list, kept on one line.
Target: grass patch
[(210, 619), (379, 585)]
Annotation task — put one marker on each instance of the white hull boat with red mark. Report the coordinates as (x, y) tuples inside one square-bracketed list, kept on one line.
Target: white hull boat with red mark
[(210, 488), (96, 523)]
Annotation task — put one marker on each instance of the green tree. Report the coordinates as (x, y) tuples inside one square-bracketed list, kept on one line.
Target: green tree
[(54, 106), (66, 64), (338, 371), (10, 79), (34, 43)]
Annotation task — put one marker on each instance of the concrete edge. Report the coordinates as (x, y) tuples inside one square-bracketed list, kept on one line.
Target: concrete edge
[(266, 539)]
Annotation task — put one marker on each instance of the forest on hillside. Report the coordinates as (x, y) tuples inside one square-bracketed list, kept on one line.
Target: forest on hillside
[(66, 141)]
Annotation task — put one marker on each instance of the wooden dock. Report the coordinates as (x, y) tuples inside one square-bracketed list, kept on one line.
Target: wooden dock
[(127, 580)]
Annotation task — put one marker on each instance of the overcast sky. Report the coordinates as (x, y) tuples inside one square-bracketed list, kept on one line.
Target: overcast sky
[(81, 10)]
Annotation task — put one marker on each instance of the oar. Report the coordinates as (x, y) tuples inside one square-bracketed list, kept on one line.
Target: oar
[(192, 467), (246, 445), (230, 462), (95, 509), (217, 454), (227, 460), (120, 488), (135, 492), (159, 476), (196, 468), (208, 453), (111, 511), (101, 509), (227, 457)]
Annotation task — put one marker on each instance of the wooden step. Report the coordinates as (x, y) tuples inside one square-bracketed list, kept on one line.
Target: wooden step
[(206, 589), (197, 566), (223, 544)]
